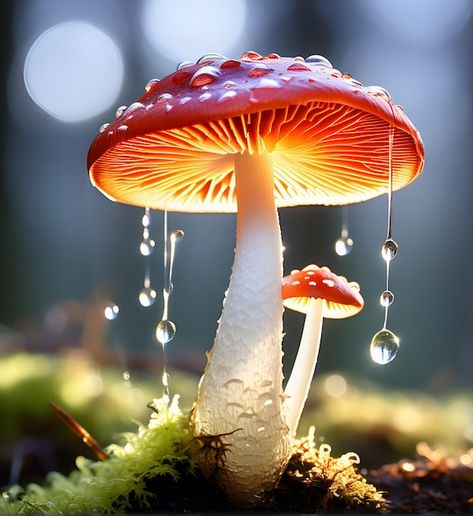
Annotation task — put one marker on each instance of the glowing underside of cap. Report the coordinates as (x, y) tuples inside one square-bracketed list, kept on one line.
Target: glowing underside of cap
[(322, 153)]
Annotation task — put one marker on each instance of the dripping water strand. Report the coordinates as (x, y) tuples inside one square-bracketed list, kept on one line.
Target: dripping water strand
[(344, 244), (385, 344), (166, 329), (147, 295)]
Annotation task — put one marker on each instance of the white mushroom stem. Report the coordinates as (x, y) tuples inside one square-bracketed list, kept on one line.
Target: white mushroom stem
[(298, 385), (241, 389)]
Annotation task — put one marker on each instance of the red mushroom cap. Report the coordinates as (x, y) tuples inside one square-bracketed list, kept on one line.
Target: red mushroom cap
[(328, 135), (341, 299)]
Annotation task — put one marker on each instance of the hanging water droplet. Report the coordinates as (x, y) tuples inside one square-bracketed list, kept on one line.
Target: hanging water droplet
[(165, 331), (120, 110), (386, 298), (319, 60), (147, 246), (103, 127), (146, 219), (343, 245), (126, 376), (147, 296), (389, 250), (111, 311), (384, 347), (177, 235)]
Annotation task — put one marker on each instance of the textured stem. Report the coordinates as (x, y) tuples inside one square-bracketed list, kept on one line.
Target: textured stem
[(298, 385), (241, 389)]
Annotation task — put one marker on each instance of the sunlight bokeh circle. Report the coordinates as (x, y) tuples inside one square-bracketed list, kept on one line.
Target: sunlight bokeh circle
[(73, 71)]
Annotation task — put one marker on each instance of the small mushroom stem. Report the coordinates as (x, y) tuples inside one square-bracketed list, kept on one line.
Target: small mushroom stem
[(240, 393), (298, 385)]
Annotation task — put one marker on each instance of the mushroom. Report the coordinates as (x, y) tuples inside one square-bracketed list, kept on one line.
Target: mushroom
[(318, 293), (251, 135)]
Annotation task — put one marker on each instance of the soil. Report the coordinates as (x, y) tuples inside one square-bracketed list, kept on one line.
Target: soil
[(418, 487)]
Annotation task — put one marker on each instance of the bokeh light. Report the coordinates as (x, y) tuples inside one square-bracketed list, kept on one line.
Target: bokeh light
[(423, 22), (205, 26), (74, 71)]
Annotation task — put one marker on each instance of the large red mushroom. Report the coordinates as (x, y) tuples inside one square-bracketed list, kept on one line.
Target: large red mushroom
[(250, 135)]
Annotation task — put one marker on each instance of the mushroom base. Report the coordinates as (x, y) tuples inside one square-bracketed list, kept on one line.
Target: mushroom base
[(238, 420)]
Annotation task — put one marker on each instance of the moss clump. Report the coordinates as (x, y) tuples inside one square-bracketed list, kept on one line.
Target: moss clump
[(314, 481), (119, 483), (153, 471)]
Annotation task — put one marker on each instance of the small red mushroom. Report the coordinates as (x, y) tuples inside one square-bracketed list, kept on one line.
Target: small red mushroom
[(318, 293)]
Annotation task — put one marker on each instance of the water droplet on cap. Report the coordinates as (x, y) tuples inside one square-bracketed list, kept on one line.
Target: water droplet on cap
[(273, 55), (147, 296), (343, 246), (319, 60), (379, 91), (184, 64), (299, 67), (230, 63), (120, 110), (384, 347), (111, 311), (386, 298), (133, 107), (251, 55), (151, 85), (259, 70), (165, 331), (210, 57), (206, 75), (103, 127), (389, 250)]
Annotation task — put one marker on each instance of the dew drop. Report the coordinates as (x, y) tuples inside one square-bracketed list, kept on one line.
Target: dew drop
[(251, 55), (203, 76), (379, 91), (126, 376), (299, 67), (389, 250), (133, 107), (184, 64), (228, 95), (319, 60), (147, 246), (180, 76), (386, 298), (210, 57), (147, 296), (384, 347), (120, 110), (103, 127), (111, 311), (259, 71), (231, 63), (152, 84), (165, 331), (343, 245)]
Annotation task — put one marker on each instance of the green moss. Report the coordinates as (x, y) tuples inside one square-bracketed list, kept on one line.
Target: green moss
[(116, 484), (153, 471)]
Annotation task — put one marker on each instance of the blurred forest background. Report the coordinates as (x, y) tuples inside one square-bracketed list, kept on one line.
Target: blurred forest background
[(66, 251)]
